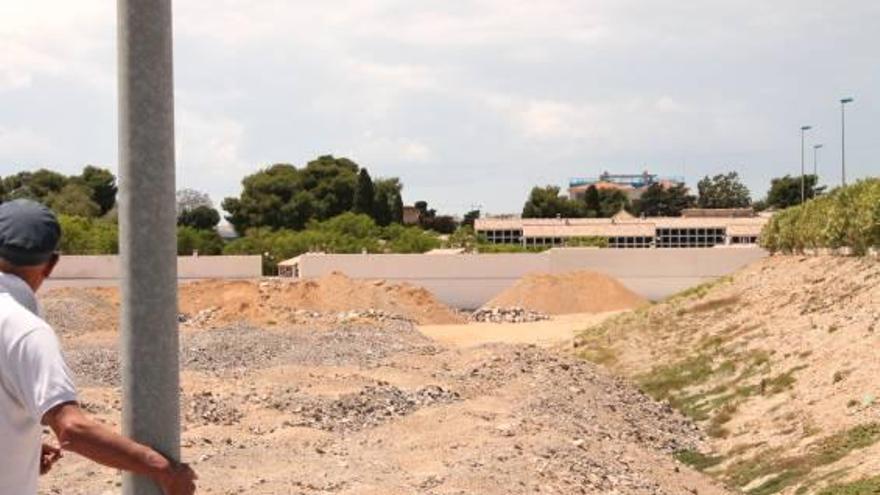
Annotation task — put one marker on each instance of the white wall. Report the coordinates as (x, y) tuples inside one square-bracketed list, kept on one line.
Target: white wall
[(469, 280), (188, 267)]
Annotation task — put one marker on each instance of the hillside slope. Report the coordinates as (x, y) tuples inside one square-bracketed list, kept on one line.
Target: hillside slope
[(780, 365)]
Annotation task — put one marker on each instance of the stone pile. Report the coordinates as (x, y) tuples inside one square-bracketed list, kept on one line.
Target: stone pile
[(514, 314), (368, 407)]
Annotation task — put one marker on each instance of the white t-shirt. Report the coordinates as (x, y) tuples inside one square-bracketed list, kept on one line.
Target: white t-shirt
[(33, 379)]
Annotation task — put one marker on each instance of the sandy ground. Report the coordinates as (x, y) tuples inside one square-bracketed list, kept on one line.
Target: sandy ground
[(560, 329), (375, 407), (779, 363)]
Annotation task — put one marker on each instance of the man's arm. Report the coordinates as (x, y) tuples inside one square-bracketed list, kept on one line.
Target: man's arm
[(77, 433)]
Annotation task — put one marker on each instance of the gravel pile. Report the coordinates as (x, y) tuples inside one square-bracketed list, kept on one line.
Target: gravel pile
[(240, 348), (73, 312), (513, 314), (208, 409), (593, 403), (366, 408), (94, 365)]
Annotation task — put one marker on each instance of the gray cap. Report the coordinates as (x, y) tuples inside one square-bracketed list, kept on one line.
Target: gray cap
[(29, 232)]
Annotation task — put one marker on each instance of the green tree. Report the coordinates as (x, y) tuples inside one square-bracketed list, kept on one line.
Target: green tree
[(332, 182), (200, 218), (470, 218), (74, 199), (282, 196), (388, 195), (612, 201), (592, 201), (36, 185), (382, 208), (397, 209), (102, 184), (365, 194), (786, 191), (545, 202), (80, 235), (191, 240), (660, 201), (413, 240), (723, 191)]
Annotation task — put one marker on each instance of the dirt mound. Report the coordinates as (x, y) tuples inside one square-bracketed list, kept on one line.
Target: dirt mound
[(332, 299), (571, 292), (778, 362), (277, 300), (493, 420)]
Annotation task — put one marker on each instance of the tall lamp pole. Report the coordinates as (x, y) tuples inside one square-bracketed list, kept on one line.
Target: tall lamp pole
[(147, 232), (816, 148), (843, 103), (804, 129)]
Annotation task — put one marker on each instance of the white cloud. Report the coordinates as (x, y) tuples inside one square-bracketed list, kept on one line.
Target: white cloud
[(20, 145), (209, 148), (532, 89)]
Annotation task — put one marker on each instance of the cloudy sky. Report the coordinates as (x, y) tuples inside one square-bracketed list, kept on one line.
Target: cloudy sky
[(469, 102)]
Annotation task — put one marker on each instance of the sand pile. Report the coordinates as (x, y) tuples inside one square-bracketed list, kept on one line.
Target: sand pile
[(275, 300), (571, 292)]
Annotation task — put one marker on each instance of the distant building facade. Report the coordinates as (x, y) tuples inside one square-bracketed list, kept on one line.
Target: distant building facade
[(633, 185), (411, 215), (625, 232)]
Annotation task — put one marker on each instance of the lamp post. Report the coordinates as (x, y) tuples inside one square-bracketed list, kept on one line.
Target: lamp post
[(843, 103), (804, 129), (147, 233), (816, 148)]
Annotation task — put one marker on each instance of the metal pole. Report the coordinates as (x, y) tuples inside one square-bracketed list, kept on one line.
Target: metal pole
[(147, 232), (816, 148), (803, 189), (843, 102), (842, 144)]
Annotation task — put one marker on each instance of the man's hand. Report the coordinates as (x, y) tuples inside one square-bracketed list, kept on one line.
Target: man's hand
[(178, 479), (49, 456), (79, 434)]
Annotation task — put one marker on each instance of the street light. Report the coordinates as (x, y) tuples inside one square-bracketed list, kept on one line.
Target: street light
[(816, 148), (843, 103), (804, 129)]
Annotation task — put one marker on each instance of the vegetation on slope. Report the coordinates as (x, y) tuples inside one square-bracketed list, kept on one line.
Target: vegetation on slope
[(846, 217), (756, 360)]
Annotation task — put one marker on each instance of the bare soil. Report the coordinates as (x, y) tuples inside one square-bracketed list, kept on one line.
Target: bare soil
[(778, 363), (571, 292), (376, 407)]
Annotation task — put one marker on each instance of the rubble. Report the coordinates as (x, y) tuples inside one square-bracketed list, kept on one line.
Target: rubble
[(206, 408), (513, 314), (371, 406)]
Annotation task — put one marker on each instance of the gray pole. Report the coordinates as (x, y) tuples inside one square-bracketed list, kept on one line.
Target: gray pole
[(842, 144), (804, 129), (147, 232), (803, 191), (843, 103)]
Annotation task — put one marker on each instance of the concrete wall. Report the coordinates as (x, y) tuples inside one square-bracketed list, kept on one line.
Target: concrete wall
[(468, 281), (656, 273), (188, 267)]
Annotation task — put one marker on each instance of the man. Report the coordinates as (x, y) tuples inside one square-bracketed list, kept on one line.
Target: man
[(35, 383)]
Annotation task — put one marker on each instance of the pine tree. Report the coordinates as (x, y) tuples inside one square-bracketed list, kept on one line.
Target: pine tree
[(364, 194), (397, 209), (382, 208)]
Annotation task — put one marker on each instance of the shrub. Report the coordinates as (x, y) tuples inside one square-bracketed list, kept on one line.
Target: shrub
[(846, 217)]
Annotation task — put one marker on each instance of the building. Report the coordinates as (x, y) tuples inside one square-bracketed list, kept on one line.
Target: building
[(625, 232), (633, 185), (411, 215)]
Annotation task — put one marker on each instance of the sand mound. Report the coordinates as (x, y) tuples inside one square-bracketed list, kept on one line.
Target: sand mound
[(571, 292), (262, 301)]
